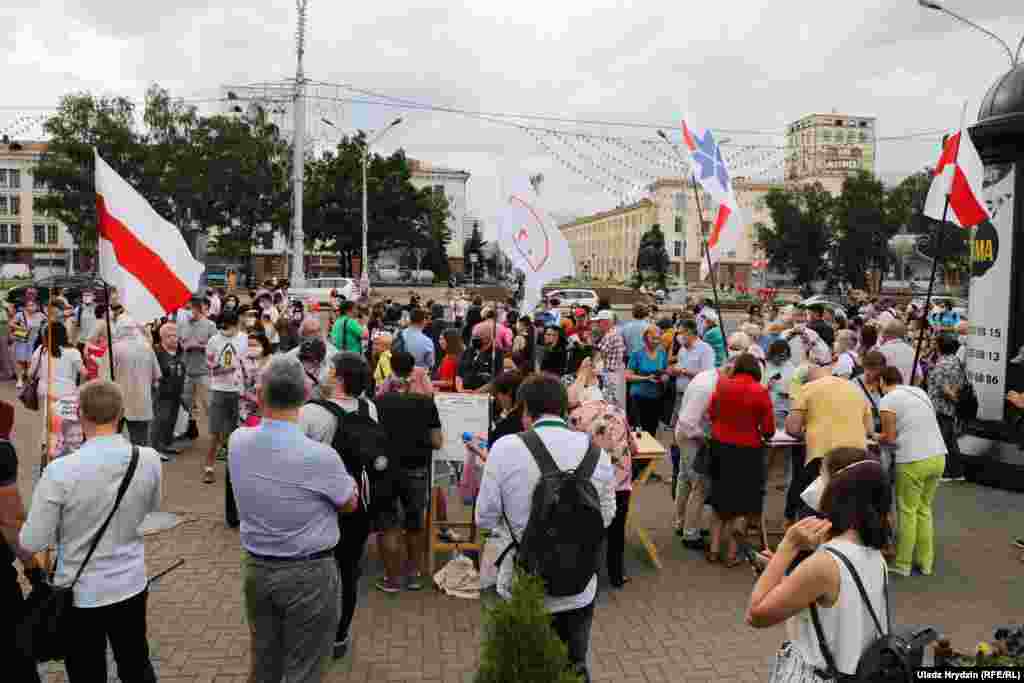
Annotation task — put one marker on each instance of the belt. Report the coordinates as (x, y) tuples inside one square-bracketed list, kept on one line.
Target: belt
[(294, 558)]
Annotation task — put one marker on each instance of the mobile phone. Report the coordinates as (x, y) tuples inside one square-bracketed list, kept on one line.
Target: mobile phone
[(776, 377)]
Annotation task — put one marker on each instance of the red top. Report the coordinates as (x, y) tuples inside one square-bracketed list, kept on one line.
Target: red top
[(449, 366), (741, 412)]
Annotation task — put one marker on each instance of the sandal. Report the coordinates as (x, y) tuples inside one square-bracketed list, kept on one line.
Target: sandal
[(711, 557), (732, 562)]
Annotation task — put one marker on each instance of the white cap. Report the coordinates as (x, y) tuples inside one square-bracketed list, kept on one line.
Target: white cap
[(709, 314), (604, 315)]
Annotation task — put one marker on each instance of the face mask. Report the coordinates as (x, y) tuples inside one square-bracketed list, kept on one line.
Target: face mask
[(87, 299), (812, 494)]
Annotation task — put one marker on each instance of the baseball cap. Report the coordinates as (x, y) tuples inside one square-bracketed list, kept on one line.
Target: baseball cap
[(313, 350), (709, 314), (604, 315)]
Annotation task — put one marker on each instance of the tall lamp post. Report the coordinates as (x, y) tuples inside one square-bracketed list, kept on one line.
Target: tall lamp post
[(364, 278), (298, 270), (939, 7)]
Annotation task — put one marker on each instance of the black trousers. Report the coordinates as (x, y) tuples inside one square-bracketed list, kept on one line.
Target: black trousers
[(573, 628), (803, 476), (230, 506), (355, 529), (165, 414), (21, 668), (617, 538), (954, 459), (124, 625)]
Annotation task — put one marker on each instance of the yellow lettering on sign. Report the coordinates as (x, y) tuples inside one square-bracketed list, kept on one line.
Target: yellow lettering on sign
[(983, 250)]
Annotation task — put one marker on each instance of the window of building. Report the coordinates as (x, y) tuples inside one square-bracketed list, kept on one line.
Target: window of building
[(5, 233), (677, 248), (679, 223), (39, 233), (15, 234), (827, 136), (5, 207), (439, 189), (10, 178), (15, 205), (267, 239), (679, 201), (37, 184), (5, 178), (730, 254), (51, 234)]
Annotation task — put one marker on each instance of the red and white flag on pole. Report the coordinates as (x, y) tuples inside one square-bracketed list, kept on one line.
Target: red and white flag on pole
[(959, 174), (140, 253)]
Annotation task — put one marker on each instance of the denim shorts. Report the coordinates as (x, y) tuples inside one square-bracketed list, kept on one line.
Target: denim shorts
[(407, 505)]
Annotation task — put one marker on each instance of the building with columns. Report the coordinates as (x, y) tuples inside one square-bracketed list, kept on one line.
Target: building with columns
[(605, 244)]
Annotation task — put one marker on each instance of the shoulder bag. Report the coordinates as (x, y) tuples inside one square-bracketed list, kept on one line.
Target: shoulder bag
[(41, 632), (966, 406), (29, 392)]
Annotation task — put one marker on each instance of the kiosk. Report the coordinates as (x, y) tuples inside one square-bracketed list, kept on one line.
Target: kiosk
[(994, 447)]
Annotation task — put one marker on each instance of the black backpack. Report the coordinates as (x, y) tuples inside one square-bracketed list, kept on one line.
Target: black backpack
[(893, 656), (966, 400), (363, 447), (562, 540)]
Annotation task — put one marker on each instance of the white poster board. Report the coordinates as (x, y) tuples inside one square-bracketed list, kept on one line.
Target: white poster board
[(989, 304), (460, 413)]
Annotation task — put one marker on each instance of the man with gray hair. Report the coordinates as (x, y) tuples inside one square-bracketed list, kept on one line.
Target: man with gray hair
[(898, 353), (289, 490), (309, 330), (136, 371)]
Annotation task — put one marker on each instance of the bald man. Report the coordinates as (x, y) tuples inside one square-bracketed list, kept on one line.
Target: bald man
[(169, 391), (311, 329), (898, 353)]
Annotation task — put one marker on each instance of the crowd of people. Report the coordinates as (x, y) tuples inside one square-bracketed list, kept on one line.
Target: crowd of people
[(327, 423)]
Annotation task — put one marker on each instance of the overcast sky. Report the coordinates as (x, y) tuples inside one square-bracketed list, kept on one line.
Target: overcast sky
[(730, 64)]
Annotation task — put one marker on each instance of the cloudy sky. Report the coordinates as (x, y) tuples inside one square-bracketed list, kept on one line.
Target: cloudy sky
[(737, 65)]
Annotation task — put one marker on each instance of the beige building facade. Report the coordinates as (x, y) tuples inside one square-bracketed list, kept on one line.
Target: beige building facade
[(829, 147), (605, 244), (27, 235)]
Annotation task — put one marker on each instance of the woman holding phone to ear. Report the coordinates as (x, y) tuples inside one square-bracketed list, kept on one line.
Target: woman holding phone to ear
[(854, 501)]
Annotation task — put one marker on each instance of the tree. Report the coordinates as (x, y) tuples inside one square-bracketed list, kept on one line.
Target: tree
[(652, 258), (83, 123), (906, 206), (519, 645), (399, 215), (474, 245), (862, 225), (800, 236)]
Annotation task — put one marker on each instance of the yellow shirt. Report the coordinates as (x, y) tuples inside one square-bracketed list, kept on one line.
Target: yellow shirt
[(383, 370), (835, 415)]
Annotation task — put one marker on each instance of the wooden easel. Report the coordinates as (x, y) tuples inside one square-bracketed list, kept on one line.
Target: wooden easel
[(434, 542)]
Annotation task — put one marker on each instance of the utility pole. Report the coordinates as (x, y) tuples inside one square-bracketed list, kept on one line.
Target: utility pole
[(298, 270)]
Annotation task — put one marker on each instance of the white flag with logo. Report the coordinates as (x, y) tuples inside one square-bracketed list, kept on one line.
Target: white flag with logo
[(532, 242)]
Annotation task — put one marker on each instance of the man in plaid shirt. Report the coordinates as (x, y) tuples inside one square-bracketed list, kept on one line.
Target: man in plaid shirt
[(612, 348)]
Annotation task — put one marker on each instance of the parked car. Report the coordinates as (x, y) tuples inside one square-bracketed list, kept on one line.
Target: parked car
[(574, 297), (319, 289), (423, 276), (388, 274)]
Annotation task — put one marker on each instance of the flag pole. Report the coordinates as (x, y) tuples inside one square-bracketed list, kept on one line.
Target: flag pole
[(938, 240), (707, 254), (110, 336)]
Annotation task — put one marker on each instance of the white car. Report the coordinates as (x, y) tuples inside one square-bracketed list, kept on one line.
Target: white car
[(571, 298), (319, 290)]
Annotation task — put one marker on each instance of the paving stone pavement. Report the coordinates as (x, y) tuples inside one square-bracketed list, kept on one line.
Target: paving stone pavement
[(682, 623)]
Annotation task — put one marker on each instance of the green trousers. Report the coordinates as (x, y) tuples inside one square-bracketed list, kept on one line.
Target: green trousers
[(916, 484)]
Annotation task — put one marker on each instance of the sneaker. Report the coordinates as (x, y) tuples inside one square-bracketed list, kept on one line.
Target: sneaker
[(341, 647), (1019, 542), (695, 544), (897, 572), (208, 476), (388, 586), (415, 583), (18, 385)]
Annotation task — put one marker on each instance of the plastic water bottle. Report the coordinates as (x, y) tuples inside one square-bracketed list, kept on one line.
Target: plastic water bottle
[(478, 441)]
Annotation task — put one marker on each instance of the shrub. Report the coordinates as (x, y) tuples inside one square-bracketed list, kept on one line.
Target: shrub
[(519, 645)]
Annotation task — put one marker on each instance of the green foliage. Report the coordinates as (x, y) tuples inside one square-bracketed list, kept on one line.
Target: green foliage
[(399, 215), (652, 260), (862, 226), (801, 232), (519, 645)]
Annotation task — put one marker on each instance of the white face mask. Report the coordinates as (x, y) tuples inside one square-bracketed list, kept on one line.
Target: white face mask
[(87, 299), (812, 494)]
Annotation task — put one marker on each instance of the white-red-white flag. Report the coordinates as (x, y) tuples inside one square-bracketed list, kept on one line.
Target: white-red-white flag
[(141, 253), (959, 174)]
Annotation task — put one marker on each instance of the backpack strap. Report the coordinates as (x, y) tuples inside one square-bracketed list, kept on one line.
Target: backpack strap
[(864, 594), (589, 463), (541, 454), (830, 662)]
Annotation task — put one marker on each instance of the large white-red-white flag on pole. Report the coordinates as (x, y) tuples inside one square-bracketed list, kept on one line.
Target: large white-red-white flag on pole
[(960, 175), (140, 253)]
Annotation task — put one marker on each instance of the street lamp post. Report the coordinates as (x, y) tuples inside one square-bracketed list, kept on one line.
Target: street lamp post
[(364, 279), (939, 7)]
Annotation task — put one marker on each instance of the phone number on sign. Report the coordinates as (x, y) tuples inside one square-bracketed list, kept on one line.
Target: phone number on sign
[(994, 332)]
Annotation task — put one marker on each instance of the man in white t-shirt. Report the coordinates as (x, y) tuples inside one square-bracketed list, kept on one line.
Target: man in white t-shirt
[(74, 497), (224, 354), (898, 353), (506, 492)]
